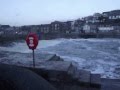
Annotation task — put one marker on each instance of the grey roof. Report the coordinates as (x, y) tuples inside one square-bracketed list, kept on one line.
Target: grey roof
[(111, 13)]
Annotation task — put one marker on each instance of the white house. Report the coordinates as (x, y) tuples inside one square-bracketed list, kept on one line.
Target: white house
[(115, 14), (1, 33), (114, 17), (105, 29), (90, 28), (73, 25), (86, 28)]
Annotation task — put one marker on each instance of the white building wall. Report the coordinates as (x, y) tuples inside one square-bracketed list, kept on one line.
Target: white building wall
[(73, 25), (86, 28), (105, 29)]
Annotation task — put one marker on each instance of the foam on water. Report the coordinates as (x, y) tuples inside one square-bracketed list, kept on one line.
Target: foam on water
[(18, 47), (48, 43), (23, 48), (96, 55)]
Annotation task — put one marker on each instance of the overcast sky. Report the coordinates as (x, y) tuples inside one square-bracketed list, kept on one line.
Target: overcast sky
[(28, 12)]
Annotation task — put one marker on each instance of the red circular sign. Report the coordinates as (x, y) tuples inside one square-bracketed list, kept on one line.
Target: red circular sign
[(32, 41)]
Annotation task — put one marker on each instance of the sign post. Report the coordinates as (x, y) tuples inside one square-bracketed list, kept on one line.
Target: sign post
[(33, 59), (32, 42)]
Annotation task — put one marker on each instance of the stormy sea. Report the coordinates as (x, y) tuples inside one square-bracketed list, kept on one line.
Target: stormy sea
[(96, 55)]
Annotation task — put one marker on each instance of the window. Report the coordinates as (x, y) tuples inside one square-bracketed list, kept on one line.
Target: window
[(44, 28), (113, 17), (117, 16), (110, 17), (41, 30), (55, 25)]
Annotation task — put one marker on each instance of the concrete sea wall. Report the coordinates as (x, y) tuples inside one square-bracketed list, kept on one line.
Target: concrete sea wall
[(63, 75), (66, 76)]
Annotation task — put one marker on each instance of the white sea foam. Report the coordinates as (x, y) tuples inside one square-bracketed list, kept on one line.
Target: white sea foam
[(18, 47), (96, 55), (23, 48)]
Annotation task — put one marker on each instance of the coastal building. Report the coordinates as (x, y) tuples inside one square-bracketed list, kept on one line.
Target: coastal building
[(4, 26), (72, 25), (94, 24), (90, 28), (105, 28), (96, 18), (44, 28), (12, 30), (115, 14), (56, 27), (78, 26), (109, 28), (68, 27), (88, 19)]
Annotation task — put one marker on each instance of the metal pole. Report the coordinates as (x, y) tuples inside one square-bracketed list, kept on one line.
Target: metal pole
[(33, 59)]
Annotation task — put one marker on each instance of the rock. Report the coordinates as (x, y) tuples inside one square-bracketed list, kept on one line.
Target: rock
[(55, 58)]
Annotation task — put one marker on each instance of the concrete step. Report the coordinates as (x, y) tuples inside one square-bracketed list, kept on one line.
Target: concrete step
[(66, 72), (110, 84), (55, 70), (84, 76), (95, 80)]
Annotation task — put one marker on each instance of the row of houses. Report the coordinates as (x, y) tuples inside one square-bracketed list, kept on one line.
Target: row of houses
[(54, 27), (6, 29), (103, 23), (97, 23), (106, 22)]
